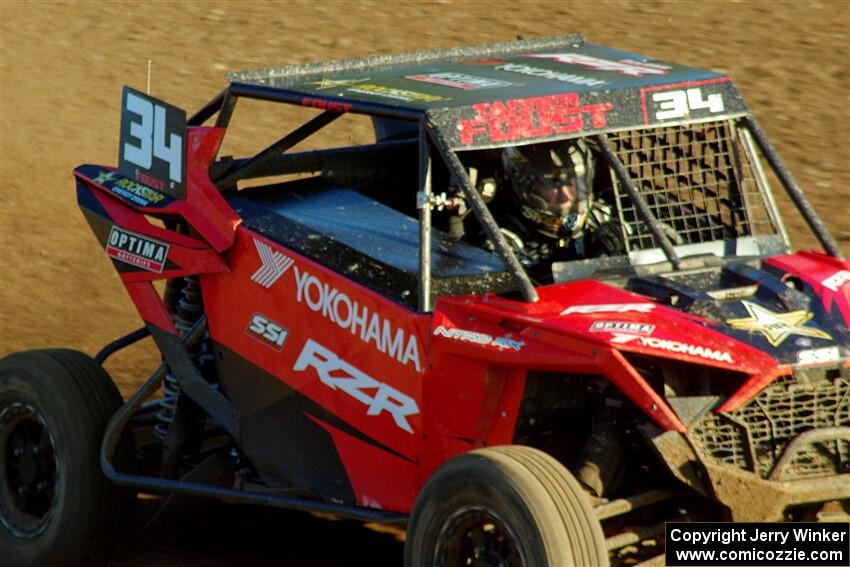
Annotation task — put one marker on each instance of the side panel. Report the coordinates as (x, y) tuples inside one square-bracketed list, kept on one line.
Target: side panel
[(354, 361), (116, 207), (143, 253)]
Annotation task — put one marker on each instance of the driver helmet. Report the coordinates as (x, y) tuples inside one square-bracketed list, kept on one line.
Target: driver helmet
[(552, 183)]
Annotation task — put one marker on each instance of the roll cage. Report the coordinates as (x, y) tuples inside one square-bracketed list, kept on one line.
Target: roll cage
[(434, 135)]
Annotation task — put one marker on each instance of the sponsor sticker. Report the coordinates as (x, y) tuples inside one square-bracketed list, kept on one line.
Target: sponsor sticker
[(816, 356), (459, 81), (136, 250), (105, 177), (630, 67), (674, 346), (267, 331), (836, 280), (133, 191), (348, 314), (324, 84), (361, 86), (273, 264), (529, 118), (776, 327), (478, 338), (610, 308), (551, 75), (394, 93), (623, 327), (336, 373)]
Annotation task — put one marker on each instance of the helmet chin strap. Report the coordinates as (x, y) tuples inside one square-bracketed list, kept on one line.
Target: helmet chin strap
[(544, 222), (574, 223)]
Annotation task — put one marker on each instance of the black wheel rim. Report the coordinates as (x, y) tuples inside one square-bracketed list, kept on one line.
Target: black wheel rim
[(28, 470), (478, 537)]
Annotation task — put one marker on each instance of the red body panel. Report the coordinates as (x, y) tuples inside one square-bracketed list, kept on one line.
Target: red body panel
[(828, 276), (189, 255), (464, 385), (418, 389), (211, 221), (379, 479), (346, 348)]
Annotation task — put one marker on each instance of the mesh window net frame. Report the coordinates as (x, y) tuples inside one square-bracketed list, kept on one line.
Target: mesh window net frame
[(696, 180)]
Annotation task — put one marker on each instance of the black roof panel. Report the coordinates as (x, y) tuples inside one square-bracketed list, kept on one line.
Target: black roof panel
[(487, 95)]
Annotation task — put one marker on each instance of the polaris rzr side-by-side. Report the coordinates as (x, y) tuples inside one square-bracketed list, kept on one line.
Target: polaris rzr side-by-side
[(352, 329)]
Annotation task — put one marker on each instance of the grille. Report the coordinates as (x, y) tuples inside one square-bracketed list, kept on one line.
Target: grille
[(755, 436), (695, 179)]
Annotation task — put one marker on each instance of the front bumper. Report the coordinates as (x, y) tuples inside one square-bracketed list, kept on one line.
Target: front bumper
[(788, 446), (748, 497)]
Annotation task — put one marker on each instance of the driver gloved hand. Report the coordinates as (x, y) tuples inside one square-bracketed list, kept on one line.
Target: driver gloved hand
[(608, 239)]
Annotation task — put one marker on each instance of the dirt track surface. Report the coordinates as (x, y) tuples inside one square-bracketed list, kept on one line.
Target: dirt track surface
[(63, 66)]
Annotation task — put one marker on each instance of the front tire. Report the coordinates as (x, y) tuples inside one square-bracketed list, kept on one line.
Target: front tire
[(510, 505), (56, 507)]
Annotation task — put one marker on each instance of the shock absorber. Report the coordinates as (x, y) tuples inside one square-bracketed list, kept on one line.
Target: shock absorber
[(187, 305)]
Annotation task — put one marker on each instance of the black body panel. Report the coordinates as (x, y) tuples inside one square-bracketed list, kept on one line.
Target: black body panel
[(280, 432), (366, 241), (286, 447), (750, 303)]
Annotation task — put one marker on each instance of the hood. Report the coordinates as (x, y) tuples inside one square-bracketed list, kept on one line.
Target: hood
[(781, 313), (759, 319), (722, 333)]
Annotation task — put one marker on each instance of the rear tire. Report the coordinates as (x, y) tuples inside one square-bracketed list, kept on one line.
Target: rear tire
[(510, 505), (55, 504)]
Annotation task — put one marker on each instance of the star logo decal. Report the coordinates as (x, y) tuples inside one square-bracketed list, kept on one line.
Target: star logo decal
[(103, 177), (323, 84), (776, 327)]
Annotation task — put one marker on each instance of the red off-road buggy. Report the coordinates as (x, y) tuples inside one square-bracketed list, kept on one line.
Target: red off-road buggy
[(332, 341)]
